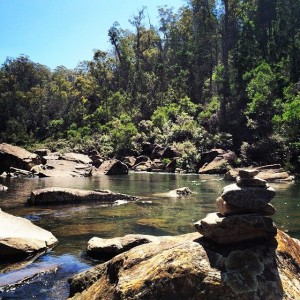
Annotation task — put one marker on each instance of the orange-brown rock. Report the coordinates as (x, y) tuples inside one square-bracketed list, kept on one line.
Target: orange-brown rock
[(188, 267)]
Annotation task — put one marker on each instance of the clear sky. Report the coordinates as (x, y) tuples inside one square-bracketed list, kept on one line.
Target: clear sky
[(65, 32)]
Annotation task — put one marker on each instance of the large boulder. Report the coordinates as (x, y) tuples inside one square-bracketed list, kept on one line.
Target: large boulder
[(113, 167), (57, 195), (216, 161), (188, 267), (19, 238), (17, 157), (170, 152)]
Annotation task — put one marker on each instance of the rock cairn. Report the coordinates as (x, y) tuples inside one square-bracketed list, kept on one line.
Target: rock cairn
[(244, 212)]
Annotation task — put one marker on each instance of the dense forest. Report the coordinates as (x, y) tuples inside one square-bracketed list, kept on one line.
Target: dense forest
[(212, 74)]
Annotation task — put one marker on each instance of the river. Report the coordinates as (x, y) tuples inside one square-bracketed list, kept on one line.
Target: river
[(156, 214)]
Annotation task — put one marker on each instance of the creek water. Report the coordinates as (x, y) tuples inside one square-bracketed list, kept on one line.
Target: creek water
[(155, 214)]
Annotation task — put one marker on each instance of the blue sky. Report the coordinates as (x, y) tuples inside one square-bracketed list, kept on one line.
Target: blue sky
[(65, 32)]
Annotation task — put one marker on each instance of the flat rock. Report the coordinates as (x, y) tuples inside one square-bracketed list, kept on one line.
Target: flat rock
[(248, 173), (247, 197), (187, 267), (17, 157), (226, 209), (76, 157), (270, 173), (236, 228), (113, 167), (57, 195), (20, 238), (251, 182), (64, 168), (104, 249)]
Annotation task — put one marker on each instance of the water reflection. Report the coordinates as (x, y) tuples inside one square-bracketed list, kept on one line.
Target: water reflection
[(74, 225)]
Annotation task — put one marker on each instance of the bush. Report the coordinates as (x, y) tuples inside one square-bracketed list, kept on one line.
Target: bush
[(189, 158)]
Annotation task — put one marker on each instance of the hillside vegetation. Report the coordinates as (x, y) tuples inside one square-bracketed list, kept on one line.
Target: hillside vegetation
[(213, 74)]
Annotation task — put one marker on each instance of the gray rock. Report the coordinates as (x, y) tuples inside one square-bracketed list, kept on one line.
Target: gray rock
[(237, 228), (113, 167), (64, 168), (129, 161), (184, 191), (171, 166), (57, 195), (42, 152), (270, 173), (157, 164), (217, 161), (226, 209), (77, 157), (20, 238), (3, 188), (17, 157), (248, 173), (104, 249), (247, 197), (251, 182), (143, 166)]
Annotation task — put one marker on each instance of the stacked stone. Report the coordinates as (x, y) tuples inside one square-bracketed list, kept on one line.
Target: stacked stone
[(244, 212)]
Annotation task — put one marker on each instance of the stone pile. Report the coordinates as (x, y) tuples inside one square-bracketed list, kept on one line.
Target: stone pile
[(244, 212)]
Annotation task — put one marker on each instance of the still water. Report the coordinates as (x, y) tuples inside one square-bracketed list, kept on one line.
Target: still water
[(155, 214)]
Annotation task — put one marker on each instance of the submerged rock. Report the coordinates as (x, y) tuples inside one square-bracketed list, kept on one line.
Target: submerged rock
[(19, 238), (180, 192), (188, 267), (13, 279), (57, 195)]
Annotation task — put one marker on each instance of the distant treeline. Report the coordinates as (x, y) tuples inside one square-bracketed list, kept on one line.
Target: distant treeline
[(212, 74)]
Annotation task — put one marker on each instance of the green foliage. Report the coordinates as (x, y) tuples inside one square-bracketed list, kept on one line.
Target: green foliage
[(212, 74), (260, 89), (122, 132), (189, 158)]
